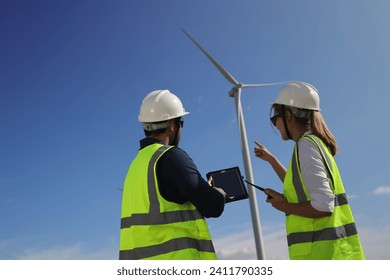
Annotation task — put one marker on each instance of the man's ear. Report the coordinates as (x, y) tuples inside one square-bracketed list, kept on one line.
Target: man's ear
[(171, 125)]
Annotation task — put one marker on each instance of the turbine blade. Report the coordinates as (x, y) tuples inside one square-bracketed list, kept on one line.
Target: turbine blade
[(263, 85), (225, 73)]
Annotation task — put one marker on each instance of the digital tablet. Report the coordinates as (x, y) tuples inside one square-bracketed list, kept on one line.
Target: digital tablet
[(230, 180)]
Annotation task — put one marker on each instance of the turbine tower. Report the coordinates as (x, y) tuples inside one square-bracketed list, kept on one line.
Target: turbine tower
[(236, 93)]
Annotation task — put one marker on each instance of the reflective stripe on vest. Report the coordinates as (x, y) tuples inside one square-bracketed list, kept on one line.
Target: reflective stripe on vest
[(167, 247), (155, 218), (160, 218), (321, 235)]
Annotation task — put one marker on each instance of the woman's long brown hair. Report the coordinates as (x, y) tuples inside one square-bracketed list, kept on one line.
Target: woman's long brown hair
[(317, 125), (321, 130)]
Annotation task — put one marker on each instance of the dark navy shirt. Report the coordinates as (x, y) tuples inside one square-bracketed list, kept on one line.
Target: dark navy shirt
[(179, 181)]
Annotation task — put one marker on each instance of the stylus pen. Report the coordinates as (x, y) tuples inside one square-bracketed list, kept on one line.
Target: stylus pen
[(257, 187)]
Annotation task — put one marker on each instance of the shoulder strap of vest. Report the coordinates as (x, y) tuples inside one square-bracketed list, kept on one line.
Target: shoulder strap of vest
[(321, 148), (154, 202)]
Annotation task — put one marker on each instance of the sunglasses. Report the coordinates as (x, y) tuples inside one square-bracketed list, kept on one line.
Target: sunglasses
[(274, 118), (180, 122)]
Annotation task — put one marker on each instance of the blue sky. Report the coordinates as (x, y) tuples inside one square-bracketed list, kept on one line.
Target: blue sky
[(73, 75)]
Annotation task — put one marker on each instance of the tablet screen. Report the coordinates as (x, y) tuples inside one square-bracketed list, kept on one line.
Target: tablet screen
[(230, 180)]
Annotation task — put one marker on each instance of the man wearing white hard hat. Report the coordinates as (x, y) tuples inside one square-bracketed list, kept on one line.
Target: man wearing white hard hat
[(319, 221), (165, 199)]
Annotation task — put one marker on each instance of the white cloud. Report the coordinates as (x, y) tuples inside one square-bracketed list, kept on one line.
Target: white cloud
[(38, 248), (72, 252), (241, 245), (382, 190), (56, 252), (376, 242)]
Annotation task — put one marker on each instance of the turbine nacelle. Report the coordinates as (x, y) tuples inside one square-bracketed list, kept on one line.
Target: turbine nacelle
[(234, 89)]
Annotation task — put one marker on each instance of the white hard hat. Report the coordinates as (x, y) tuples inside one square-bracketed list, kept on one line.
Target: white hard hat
[(299, 95), (160, 105)]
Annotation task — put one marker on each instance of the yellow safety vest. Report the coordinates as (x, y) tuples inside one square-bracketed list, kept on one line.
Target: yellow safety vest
[(154, 228), (331, 237)]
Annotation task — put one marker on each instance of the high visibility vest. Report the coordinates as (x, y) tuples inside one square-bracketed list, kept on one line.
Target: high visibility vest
[(331, 237), (154, 228)]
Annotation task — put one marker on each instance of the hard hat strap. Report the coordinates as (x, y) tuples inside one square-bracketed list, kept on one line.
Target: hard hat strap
[(175, 142), (178, 125), (285, 121)]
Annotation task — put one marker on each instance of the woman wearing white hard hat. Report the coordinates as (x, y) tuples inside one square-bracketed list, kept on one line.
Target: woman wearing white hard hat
[(319, 221), (165, 199)]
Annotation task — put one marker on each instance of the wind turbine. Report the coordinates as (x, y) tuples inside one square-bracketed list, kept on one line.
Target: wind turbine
[(236, 93)]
